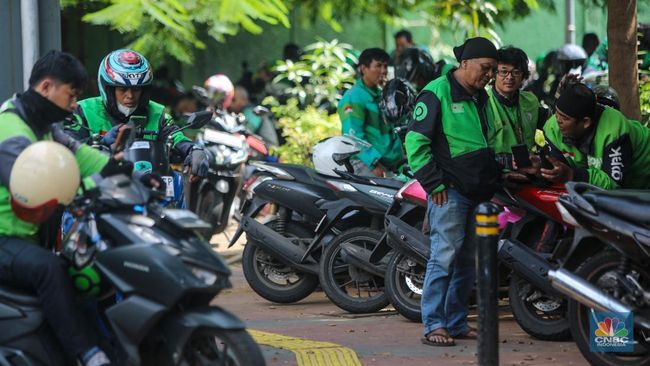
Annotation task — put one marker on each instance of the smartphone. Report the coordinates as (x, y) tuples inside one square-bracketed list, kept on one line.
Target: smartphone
[(520, 154), (544, 152)]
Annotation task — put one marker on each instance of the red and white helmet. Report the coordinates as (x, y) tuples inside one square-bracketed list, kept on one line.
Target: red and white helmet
[(44, 175), (220, 91)]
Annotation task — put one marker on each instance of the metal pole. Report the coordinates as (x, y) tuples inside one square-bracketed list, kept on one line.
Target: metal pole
[(570, 19), (487, 231), (30, 36)]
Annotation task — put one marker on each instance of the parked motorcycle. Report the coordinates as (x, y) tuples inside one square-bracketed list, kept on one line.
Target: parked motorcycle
[(153, 277), (281, 257), (616, 277)]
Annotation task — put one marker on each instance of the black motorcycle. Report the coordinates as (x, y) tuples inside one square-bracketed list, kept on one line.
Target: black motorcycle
[(281, 258), (153, 279), (616, 277), (227, 152)]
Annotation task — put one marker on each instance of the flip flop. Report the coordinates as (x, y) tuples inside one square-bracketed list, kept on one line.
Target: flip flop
[(429, 340), (471, 333)]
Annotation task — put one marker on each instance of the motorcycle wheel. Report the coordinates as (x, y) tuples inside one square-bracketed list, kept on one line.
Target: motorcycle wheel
[(348, 287), (221, 347), (543, 317), (272, 279), (209, 209), (599, 270), (404, 280)]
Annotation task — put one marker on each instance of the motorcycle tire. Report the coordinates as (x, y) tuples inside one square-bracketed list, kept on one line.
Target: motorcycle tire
[(335, 274), (549, 324), (265, 274), (221, 347), (403, 276), (595, 270)]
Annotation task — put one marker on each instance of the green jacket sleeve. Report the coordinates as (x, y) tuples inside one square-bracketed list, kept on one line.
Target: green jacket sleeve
[(422, 127), (353, 116), (90, 161)]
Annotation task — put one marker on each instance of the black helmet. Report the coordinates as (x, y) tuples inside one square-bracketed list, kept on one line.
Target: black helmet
[(416, 66), (606, 95), (396, 101)]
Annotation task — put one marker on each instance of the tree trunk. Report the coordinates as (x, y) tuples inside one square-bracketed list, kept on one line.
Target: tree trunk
[(622, 55)]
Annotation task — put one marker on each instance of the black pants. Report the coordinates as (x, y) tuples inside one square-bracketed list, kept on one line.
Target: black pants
[(25, 264)]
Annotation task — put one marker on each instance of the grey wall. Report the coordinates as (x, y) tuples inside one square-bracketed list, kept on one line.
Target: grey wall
[(49, 19)]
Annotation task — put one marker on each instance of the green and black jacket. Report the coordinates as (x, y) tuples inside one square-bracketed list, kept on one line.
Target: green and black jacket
[(614, 154), (16, 134), (450, 140)]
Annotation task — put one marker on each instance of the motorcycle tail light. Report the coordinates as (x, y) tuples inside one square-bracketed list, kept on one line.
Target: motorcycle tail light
[(412, 191)]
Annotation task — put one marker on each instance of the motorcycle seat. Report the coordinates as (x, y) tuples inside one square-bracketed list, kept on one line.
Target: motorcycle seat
[(19, 296), (630, 205)]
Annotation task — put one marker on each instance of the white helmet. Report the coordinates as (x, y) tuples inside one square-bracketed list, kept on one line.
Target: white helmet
[(44, 175), (571, 52), (331, 153)]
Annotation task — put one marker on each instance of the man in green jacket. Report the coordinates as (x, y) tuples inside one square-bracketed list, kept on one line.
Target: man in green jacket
[(358, 110), (450, 148), (598, 144), (516, 114), (55, 82), (124, 79)]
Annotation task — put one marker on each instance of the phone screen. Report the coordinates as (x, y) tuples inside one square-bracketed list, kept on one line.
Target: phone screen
[(520, 154)]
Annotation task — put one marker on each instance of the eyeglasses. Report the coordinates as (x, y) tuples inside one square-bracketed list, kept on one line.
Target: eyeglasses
[(514, 72)]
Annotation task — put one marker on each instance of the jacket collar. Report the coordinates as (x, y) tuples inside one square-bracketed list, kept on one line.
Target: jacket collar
[(459, 94), (504, 100), (374, 93)]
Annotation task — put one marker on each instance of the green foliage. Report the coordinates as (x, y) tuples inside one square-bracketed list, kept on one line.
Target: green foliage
[(313, 85), (169, 27), (644, 97), (302, 129), (321, 73)]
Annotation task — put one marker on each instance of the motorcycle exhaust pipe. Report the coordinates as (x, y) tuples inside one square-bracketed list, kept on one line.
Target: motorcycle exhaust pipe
[(589, 295), (278, 246), (527, 264)]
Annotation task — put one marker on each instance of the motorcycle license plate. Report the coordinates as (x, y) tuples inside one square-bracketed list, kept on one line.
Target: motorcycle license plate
[(169, 186)]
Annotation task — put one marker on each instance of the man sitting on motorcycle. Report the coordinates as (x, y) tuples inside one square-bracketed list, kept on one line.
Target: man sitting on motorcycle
[(124, 81), (54, 85), (259, 125), (516, 114), (600, 145)]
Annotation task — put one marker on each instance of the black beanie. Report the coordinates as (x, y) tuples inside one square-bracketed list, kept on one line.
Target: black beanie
[(577, 101), (478, 47)]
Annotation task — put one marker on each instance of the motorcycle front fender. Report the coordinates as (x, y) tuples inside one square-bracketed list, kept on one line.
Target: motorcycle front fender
[(177, 328)]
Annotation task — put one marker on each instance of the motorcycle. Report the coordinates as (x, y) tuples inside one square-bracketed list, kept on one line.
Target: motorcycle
[(616, 277), (281, 258), (151, 155), (152, 278), (229, 148)]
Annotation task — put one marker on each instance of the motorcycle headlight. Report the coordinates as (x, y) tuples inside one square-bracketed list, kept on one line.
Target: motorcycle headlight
[(239, 157), (205, 276)]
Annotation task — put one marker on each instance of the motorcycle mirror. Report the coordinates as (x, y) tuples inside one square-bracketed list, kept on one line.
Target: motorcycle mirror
[(260, 110), (197, 120)]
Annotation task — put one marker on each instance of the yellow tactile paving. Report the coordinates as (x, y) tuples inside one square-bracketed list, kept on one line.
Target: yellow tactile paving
[(308, 352)]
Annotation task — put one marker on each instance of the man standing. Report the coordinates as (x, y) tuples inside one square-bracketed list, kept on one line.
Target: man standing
[(449, 147), (360, 118), (516, 113)]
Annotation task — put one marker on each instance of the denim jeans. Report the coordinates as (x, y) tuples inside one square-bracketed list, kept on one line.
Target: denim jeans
[(451, 268)]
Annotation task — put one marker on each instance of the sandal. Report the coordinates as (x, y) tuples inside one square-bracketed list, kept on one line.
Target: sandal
[(438, 338), (471, 333)]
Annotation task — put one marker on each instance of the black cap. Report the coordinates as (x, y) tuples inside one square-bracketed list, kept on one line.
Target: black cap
[(577, 101), (478, 47)]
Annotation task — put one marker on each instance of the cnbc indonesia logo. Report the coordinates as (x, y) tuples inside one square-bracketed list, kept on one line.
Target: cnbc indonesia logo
[(613, 333)]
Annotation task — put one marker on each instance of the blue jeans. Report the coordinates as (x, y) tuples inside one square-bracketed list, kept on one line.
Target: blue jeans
[(450, 270)]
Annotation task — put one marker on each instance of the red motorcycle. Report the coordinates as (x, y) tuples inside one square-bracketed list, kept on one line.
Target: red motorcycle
[(531, 224)]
